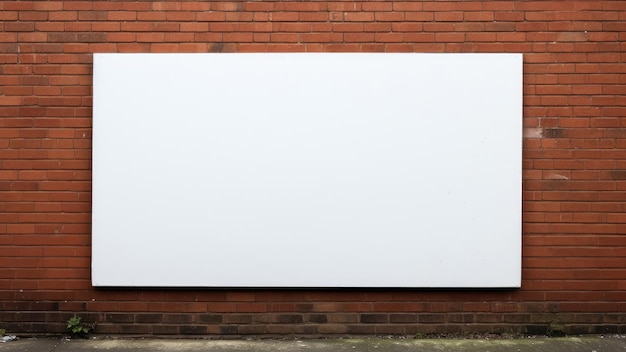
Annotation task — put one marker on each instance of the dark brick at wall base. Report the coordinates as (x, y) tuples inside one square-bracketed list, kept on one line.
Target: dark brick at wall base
[(574, 162), (221, 313), (221, 325)]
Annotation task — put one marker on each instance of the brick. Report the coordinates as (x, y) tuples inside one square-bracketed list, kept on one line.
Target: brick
[(177, 318), (403, 318), (193, 330), (288, 318), (229, 330), (317, 318), (19, 26), (226, 6), (149, 318), (238, 319), (343, 318), (449, 37), (333, 329), (448, 16), (210, 318), (119, 318), (431, 318), (359, 16), (419, 16), (253, 329), (163, 329), (361, 329), (389, 16), (374, 318)]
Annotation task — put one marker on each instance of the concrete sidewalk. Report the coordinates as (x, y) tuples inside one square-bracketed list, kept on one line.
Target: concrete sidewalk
[(616, 343)]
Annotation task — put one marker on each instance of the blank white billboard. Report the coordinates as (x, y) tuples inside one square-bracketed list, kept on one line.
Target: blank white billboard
[(307, 170)]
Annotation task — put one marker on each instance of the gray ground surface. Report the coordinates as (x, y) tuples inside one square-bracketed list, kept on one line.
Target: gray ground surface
[(615, 343)]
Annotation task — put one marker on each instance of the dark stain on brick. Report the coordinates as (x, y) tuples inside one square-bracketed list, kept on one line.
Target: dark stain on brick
[(252, 329), (374, 318), (216, 47), (193, 329), (61, 37), (517, 318), (228, 329), (177, 318), (288, 318), (262, 318), (557, 185), (431, 318), (460, 318), (119, 318), (318, 318), (552, 307), (52, 306), (91, 37), (403, 318), (8, 48), (552, 133), (165, 329), (238, 319), (80, 37), (618, 174), (304, 307), (305, 329), (210, 318), (149, 318), (614, 133)]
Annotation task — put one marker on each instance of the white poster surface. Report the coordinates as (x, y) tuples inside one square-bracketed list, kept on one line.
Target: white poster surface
[(307, 170)]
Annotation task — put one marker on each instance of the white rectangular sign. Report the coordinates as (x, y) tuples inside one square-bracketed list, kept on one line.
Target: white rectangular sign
[(307, 170)]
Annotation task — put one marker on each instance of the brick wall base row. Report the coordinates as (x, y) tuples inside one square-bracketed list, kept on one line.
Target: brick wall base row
[(219, 325)]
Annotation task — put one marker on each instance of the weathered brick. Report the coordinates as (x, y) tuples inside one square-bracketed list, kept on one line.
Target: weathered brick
[(403, 318), (229, 329), (164, 329), (374, 318), (317, 318), (149, 318), (210, 318), (431, 318), (288, 318), (177, 318), (193, 330), (238, 318), (119, 318)]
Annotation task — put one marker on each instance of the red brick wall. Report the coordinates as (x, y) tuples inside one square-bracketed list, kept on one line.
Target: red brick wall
[(574, 219)]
